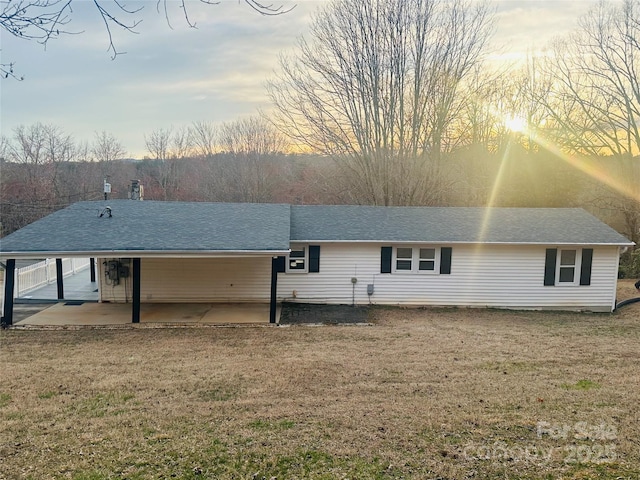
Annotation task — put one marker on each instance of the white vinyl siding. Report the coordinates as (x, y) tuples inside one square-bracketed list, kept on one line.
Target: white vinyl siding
[(506, 276), (500, 276), (206, 280)]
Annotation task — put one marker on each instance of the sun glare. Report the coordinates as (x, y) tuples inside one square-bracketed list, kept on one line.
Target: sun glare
[(600, 173), (515, 124)]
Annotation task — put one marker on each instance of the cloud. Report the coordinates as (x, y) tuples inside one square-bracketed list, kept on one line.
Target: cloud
[(173, 76), (168, 76), (529, 25)]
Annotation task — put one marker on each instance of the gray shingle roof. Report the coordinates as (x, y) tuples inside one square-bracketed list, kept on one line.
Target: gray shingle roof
[(233, 227), (153, 226), (450, 225)]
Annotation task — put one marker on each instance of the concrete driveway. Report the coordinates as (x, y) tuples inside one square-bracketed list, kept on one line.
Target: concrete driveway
[(104, 314)]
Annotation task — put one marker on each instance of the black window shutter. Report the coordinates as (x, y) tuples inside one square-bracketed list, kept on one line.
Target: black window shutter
[(550, 267), (280, 263), (445, 260), (314, 258), (585, 266), (385, 259)]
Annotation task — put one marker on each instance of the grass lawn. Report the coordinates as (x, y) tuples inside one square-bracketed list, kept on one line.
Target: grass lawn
[(449, 394)]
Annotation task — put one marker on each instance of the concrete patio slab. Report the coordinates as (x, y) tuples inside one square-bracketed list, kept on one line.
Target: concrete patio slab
[(104, 314)]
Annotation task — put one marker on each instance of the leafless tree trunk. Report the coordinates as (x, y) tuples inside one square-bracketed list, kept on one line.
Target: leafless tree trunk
[(106, 148), (251, 145), (253, 135), (479, 125), (168, 147), (375, 88), (33, 188), (182, 143), (596, 106), (204, 136)]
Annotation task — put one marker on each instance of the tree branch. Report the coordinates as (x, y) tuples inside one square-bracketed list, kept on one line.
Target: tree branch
[(43, 20)]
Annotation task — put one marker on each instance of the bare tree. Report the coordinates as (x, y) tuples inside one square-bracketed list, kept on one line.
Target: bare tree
[(170, 143), (41, 148), (251, 148), (251, 136), (525, 94), (31, 187), (106, 148), (182, 143), (204, 137), (168, 148), (157, 143), (162, 174), (83, 152), (375, 88), (43, 20), (479, 123), (595, 108)]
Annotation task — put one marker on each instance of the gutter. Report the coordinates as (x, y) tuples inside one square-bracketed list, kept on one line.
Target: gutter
[(145, 254), (465, 242)]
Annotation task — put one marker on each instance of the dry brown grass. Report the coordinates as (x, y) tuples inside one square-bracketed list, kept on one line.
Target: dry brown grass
[(421, 394)]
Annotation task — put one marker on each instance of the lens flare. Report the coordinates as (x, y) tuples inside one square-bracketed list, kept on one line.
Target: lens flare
[(596, 170)]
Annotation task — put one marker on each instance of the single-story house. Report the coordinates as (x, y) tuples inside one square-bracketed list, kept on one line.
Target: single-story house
[(148, 251)]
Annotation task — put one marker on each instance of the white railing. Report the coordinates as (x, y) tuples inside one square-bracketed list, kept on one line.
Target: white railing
[(43, 273)]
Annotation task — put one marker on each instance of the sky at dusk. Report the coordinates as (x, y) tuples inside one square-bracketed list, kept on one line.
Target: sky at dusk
[(216, 72)]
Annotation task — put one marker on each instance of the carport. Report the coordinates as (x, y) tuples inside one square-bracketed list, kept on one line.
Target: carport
[(170, 240)]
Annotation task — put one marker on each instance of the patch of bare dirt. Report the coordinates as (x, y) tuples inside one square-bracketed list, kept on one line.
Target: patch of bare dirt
[(305, 313)]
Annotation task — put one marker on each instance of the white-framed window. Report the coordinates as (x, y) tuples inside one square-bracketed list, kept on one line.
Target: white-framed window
[(427, 259), (568, 267), (404, 259), (298, 259), (416, 259)]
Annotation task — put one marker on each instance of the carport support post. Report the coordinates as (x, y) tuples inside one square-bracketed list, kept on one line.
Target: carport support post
[(274, 289), (92, 269), (277, 265), (135, 314), (9, 279), (59, 277)]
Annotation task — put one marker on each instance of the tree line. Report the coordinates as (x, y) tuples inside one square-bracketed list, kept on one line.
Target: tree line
[(44, 169)]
